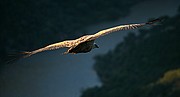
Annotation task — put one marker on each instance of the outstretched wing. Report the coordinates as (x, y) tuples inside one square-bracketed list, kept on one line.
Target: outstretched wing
[(54, 46), (122, 27), (63, 44)]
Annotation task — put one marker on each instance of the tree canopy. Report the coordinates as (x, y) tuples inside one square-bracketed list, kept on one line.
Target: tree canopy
[(143, 65)]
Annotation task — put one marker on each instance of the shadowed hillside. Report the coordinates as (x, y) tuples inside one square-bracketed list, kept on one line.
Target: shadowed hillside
[(28, 25), (144, 65)]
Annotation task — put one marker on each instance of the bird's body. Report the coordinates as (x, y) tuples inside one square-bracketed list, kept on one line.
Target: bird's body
[(86, 43), (82, 47)]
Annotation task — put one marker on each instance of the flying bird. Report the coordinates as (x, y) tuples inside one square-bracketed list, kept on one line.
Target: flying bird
[(86, 43)]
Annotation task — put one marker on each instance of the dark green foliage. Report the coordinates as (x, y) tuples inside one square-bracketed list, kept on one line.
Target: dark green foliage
[(135, 68), (31, 24)]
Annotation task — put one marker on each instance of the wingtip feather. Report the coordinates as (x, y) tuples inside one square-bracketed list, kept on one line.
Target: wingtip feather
[(155, 21), (13, 57)]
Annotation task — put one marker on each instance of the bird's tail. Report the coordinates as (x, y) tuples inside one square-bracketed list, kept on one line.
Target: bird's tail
[(155, 21)]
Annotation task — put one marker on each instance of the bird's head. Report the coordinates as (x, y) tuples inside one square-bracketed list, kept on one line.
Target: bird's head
[(95, 46)]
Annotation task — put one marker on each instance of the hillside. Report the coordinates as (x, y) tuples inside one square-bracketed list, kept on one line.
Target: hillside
[(144, 65)]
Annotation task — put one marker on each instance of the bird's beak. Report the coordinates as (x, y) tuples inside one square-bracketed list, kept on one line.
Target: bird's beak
[(96, 46)]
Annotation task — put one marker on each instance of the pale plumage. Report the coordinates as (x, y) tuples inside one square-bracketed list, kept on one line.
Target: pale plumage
[(86, 43)]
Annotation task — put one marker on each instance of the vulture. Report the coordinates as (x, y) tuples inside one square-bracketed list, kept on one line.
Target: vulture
[(86, 43)]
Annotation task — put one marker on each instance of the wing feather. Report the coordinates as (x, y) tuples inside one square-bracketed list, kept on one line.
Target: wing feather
[(121, 27), (54, 46), (115, 29)]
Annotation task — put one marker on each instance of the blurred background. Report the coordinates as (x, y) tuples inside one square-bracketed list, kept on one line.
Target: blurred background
[(134, 63)]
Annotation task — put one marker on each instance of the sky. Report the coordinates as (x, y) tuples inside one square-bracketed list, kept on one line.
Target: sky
[(51, 74)]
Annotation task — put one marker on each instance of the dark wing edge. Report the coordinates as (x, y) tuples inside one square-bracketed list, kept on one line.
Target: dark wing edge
[(151, 22), (123, 27)]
